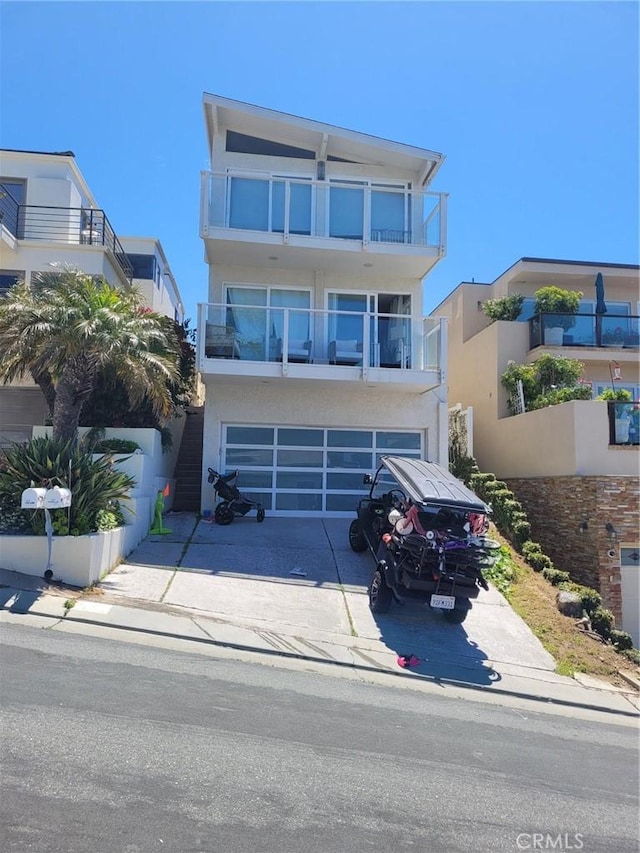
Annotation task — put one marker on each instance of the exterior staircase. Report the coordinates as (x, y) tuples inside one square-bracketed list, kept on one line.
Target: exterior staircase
[(188, 473)]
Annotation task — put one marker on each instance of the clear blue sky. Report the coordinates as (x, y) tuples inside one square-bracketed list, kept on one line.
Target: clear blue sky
[(535, 106)]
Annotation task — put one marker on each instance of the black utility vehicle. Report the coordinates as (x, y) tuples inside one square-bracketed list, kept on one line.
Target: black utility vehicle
[(427, 533)]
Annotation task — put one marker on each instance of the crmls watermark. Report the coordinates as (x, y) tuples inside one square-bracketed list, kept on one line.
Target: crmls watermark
[(547, 841)]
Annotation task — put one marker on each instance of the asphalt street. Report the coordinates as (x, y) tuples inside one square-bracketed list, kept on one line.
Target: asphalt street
[(111, 747)]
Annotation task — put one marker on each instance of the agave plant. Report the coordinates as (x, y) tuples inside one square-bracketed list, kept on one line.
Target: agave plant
[(94, 484)]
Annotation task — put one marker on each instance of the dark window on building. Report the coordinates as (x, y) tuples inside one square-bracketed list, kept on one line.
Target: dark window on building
[(12, 194), (144, 266), (15, 186), (8, 278), (240, 143)]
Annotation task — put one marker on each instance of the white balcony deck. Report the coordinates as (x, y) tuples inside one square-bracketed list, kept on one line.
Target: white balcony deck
[(237, 342), (321, 224)]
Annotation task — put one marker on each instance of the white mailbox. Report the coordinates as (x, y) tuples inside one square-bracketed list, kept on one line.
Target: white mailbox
[(33, 499), (57, 498)]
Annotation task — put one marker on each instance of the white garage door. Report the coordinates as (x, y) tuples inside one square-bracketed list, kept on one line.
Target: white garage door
[(630, 578), (309, 471)]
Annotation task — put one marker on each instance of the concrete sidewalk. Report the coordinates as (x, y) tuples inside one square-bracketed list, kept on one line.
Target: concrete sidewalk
[(293, 590)]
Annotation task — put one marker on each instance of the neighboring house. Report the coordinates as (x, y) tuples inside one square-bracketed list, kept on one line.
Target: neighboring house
[(151, 274), (313, 347), (49, 218), (572, 468)]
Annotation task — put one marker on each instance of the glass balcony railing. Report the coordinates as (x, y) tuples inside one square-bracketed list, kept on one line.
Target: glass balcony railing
[(585, 330), (624, 423), (307, 336), (342, 210)]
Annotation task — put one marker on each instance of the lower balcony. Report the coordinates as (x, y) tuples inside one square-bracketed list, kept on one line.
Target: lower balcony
[(304, 344)]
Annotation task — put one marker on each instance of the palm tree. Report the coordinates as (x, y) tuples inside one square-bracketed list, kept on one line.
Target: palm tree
[(67, 328)]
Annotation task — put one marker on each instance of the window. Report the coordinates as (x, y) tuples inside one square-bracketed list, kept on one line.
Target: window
[(144, 266), (257, 314), (13, 192), (388, 211), (259, 204), (240, 143), (389, 336), (8, 278)]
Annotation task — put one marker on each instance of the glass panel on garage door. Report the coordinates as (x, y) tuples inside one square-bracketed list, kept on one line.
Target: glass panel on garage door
[(306, 470)]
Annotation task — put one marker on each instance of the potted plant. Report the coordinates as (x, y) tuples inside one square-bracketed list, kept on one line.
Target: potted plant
[(561, 303), (622, 418)]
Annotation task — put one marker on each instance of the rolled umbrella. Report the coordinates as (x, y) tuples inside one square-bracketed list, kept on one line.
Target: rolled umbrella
[(601, 307)]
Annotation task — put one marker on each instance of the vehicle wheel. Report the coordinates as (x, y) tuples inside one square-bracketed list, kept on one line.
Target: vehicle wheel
[(380, 596), (356, 537), (260, 515), (456, 616), (223, 514)]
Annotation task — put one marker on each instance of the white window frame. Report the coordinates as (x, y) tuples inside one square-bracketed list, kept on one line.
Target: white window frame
[(367, 184), (270, 177)]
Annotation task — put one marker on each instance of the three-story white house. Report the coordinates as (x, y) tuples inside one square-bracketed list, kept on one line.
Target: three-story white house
[(312, 346)]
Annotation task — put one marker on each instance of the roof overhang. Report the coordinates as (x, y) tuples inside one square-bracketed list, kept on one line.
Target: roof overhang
[(324, 139)]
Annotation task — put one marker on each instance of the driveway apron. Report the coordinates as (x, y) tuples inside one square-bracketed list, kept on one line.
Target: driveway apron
[(300, 577)]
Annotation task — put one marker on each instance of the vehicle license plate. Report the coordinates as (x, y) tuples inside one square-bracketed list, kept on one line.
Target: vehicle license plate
[(443, 602)]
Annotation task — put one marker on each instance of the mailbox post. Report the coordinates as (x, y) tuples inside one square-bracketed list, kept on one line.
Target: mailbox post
[(46, 499)]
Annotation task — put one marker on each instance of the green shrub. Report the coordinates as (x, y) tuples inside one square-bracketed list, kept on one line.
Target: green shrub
[(548, 381), (116, 445), (503, 307), (501, 572), (108, 519), (49, 462), (521, 530), (621, 640), (12, 518), (591, 598), (602, 621), (560, 395), (463, 467), (539, 562), (555, 576), (632, 654), (616, 395), (530, 547), (492, 486), (479, 482)]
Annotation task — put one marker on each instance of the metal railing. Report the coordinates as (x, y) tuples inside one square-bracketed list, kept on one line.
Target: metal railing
[(624, 422), (621, 331), (341, 210), (69, 225), (313, 336)]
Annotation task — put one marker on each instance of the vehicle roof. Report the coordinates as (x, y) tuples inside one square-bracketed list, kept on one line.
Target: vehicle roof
[(430, 483)]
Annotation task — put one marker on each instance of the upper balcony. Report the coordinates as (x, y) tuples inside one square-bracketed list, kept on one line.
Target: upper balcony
[(348, 226), (588, 336), (401, 352), (71, 226)]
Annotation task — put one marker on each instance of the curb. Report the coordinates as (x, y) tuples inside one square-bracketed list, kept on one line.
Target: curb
[(351, 666)]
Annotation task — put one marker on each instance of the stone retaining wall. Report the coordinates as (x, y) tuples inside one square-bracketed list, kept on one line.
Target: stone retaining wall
[(557, 507)]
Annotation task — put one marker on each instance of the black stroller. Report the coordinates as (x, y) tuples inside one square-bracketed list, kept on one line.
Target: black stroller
[(233, 502)]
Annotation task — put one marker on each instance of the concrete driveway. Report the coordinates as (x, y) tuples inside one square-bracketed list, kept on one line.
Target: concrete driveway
[(299, 577)]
